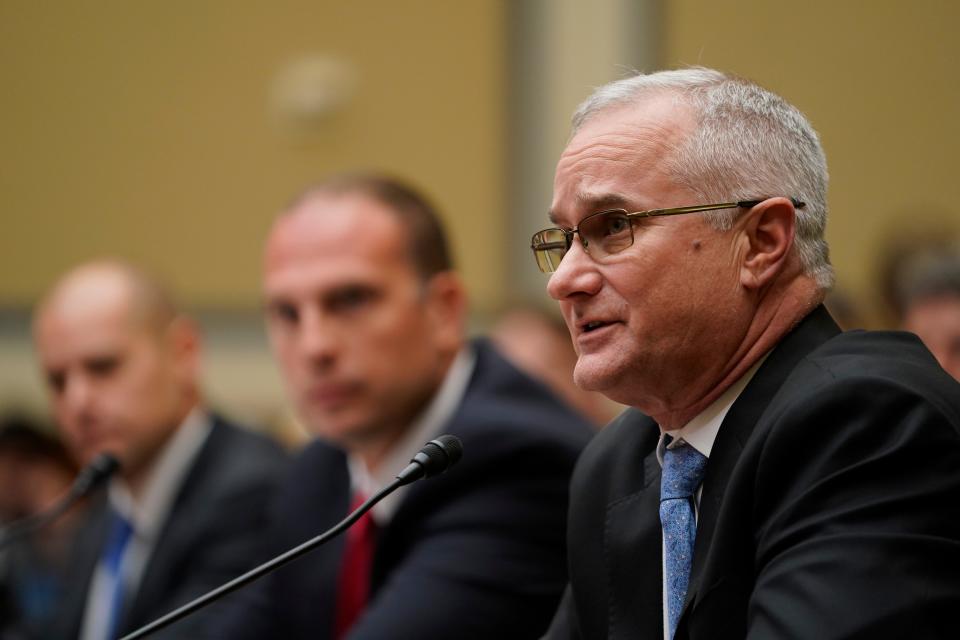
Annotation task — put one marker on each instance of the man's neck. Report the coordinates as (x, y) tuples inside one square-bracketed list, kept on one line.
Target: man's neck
[(769, 324), (135, 477)]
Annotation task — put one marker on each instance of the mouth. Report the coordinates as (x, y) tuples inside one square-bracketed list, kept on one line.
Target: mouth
[(593, 325), (329, 395)]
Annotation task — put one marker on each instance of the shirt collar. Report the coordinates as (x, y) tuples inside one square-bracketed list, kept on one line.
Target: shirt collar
[(428, 425), (164, 478), (701, 432)]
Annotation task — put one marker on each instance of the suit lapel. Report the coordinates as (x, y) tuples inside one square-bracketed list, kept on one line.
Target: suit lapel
[(633, 543), (174, 535), (87, 547), (814, 330)]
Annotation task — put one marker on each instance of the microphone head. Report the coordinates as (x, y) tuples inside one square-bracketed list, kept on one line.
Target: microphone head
[(443, 452), (99, 469), (436, 457), (104, 465)]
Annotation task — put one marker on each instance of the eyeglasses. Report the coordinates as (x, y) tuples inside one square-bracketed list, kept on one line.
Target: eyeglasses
[(608, 232)]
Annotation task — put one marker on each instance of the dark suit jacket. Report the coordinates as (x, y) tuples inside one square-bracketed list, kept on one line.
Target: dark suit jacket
[(830, 507), (475, 553), (214, 532)]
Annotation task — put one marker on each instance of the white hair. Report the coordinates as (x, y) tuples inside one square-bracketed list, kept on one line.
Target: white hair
[(749, 143)]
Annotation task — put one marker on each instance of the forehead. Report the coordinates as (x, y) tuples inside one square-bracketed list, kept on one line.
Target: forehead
[(332, 239), (85, 318), (617, 158)]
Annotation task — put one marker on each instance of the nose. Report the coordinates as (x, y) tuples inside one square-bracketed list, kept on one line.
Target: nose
[(75, 401), (576, 275), (318, 341)]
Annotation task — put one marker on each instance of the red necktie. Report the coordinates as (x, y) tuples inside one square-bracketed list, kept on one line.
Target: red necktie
[(353, 582)]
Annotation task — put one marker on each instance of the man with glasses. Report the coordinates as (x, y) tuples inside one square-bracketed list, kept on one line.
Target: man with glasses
[(366, 317), (774, 478)]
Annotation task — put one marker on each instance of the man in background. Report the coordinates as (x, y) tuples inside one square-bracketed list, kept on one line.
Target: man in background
[(366, 319), (539, 344), (930, 299), (186, 510), (775, 477), (35, 472)]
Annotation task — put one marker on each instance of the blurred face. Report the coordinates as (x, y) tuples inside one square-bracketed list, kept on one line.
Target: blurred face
[(115, 385), (937, 322), (648, 320), (362, 341)]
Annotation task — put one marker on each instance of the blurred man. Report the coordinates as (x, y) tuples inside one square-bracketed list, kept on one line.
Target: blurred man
[(930, 297), (366, 318), (35, 472), (776, 478), (186, 511), (538, 343)]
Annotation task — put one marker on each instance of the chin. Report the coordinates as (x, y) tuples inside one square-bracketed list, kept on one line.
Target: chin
[(339, 429), (592, 376), (603, 377)]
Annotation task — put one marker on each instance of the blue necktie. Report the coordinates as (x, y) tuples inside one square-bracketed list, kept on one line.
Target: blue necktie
[(683, 468), (111, 560)]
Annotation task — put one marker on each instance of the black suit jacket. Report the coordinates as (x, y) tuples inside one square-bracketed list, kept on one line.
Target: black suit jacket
[(830, 506), (475, 553), (213, 533)]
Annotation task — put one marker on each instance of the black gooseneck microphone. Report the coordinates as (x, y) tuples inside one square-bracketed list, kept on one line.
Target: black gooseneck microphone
[(90, 477), (433, 459)]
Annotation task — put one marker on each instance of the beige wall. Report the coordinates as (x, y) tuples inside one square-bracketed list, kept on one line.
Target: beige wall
[(144, 129), (880, 82)]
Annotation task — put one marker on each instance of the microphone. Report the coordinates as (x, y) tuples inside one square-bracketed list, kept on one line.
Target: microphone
[(434, 458), (89, 478), (102, 467)]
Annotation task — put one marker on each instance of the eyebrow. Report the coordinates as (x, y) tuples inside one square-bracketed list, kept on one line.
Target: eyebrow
[(593, 202)]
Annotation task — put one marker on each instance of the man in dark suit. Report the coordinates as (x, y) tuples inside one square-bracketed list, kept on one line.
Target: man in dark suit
[(775, 478), (188, 506), (366, 318)]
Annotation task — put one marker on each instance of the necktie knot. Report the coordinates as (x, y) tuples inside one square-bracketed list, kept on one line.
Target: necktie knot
[(683, 470)]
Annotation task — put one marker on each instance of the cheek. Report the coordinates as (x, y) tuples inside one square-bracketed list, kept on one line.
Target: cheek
[(288, 359), (404, 351), (146, 393)]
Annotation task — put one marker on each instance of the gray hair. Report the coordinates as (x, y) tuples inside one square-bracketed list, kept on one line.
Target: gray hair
[(749, 143)]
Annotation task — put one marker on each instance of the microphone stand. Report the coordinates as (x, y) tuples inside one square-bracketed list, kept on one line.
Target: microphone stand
[(102, 467), (266, 567), (433, 459), (15, 531)]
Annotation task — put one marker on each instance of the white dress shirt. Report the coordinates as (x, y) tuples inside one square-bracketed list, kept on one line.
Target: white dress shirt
[(426, 427), (146, 516), (700, 433)]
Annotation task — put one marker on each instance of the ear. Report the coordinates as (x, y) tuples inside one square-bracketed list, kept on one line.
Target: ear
[(447, 309), (768, 235), (184, 343)]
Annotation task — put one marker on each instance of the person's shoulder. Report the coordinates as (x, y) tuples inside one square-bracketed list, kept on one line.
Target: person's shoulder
[(880, 363), (862, 387), (235, 459), (244, 441)]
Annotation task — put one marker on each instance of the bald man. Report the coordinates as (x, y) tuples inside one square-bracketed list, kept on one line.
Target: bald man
[(184, 513)]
